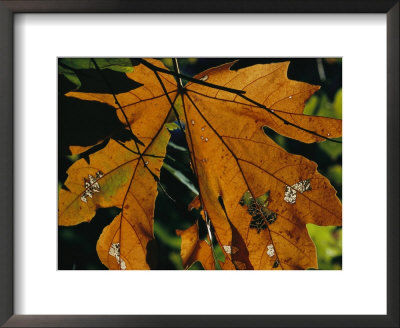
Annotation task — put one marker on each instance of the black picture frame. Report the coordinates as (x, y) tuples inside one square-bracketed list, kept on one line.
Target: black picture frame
[(10, 7)]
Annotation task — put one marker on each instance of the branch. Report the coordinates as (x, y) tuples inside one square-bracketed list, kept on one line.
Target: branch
[(191, 79), (240, 93)]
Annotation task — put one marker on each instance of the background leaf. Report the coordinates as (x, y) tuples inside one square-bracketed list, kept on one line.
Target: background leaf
[(68, 67)]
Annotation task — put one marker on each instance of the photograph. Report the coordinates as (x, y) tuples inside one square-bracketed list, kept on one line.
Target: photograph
[(199, 163), (183, 137)]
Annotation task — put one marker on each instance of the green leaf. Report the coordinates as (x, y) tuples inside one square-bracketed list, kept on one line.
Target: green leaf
[(328, 241), (177, 147), (123, 65), (311, 105), (325, 107), (335, 174), (219, 254), (337, 104), (70, 75), (67, 66), (175, 258), (181, 177), (163, 235), (172, 126), (196, 266), (333, 149)]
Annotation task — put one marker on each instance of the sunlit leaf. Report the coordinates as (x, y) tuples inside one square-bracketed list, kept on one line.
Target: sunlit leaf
[(256, 198)]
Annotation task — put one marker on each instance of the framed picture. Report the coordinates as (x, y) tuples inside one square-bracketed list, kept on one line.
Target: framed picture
[(77, 85)]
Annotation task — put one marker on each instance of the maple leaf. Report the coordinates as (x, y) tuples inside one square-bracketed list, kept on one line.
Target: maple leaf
[(257, 196), (123, 174), (233, 157)]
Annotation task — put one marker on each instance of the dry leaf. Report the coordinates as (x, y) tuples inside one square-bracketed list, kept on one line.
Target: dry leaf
[(232, 156), (123, 174)]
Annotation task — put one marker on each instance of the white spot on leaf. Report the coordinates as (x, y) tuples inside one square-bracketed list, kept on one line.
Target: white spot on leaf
[(302, 186), (192, 122), (122, 264), (91, 186), (204, 78), (270, 250), (290, 195), (230, 249), (227, 249), (291, 192), (114, 251)]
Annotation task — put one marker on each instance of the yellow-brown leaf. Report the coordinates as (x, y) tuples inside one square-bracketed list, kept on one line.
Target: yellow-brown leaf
[(232, 155), (123, 174)]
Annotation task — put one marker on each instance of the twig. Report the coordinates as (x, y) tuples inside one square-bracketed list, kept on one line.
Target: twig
[(191, 79)]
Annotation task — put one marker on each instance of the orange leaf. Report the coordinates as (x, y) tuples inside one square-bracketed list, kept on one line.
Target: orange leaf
[(194, 204), (232, 155), (123, 174)]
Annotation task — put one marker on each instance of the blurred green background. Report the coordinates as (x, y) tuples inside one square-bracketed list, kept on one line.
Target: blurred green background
[(84, 123)]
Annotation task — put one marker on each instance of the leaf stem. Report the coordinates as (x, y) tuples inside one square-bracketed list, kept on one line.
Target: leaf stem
[(177, 70)]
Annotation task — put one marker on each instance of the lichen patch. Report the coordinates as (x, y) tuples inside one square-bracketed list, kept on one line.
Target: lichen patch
[(114, 251), (291, 192), (91, 186), (270, 250), (230, 249), (257, 208)]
